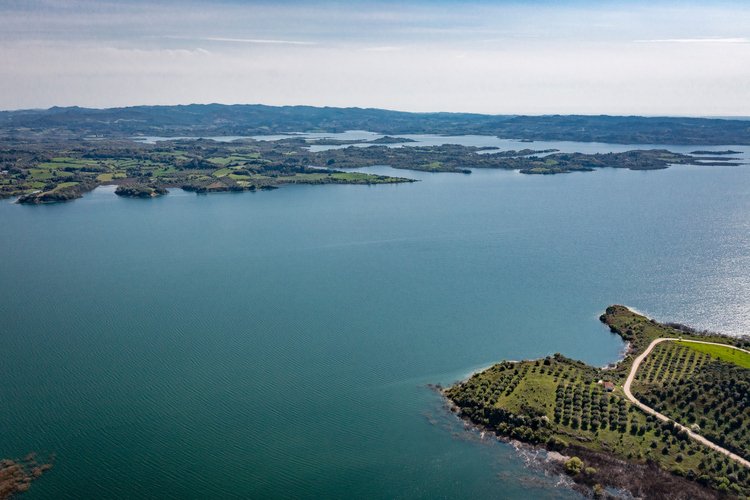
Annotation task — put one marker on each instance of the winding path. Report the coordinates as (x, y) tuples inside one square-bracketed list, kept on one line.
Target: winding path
[(647, 409)]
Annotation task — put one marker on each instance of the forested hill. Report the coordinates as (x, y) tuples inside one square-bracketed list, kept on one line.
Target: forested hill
[(218, 119), (237, 119)]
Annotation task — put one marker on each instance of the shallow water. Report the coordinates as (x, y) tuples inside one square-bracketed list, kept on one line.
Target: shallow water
[(273, 344)]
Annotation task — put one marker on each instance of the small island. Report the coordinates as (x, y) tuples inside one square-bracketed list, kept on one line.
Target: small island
[(672, 416), (727, 152), (387, 139), (139, 191)]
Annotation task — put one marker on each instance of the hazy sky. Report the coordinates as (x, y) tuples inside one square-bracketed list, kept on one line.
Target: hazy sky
[(650, 58)]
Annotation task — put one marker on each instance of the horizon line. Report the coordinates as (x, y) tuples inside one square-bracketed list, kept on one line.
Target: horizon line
[(714, 117)]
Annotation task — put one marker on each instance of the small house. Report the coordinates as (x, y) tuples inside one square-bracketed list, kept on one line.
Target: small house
[(609, 386)]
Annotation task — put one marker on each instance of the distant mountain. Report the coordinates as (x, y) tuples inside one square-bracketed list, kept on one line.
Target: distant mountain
[(627, 129), (235, 120), (219, 119)]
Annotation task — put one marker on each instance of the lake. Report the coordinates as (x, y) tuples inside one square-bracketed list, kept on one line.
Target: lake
[(278, 344)]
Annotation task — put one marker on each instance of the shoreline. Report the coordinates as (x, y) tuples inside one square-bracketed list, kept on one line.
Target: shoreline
[(536, 457), (552, 462)]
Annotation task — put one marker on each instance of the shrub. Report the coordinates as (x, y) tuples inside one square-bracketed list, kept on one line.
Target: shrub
[(573, 465), (678, 471), (598, 491), (590, 471)]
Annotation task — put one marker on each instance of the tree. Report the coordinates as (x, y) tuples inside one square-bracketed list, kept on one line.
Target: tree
[(573, 465)]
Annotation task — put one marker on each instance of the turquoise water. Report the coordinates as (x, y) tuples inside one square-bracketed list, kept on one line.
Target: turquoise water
[(277, 344)]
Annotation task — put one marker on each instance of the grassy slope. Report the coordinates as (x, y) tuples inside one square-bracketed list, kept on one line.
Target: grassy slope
[(497, 397), (536, 392), (725, 353), (698, 389)]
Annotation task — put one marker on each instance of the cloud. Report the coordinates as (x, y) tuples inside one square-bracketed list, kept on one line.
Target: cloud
[(381, 49), (491, 57), (256, 40), (697, 40)]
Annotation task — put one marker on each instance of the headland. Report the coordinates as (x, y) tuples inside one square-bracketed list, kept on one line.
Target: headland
[(698, 381)]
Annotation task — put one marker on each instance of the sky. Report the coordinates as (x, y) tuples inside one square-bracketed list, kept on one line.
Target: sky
[(495, 57)]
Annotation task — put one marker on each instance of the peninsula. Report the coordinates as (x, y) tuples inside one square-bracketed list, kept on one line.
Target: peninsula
[(457, 158), (47, 172), (669, 417)]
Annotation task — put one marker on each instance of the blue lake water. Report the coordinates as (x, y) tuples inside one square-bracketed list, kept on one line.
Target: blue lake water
[(277, 344)]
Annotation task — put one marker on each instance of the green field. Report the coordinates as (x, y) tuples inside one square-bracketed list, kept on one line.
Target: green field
[(199, 166), (435, 166), (721, 352), (356, 177)]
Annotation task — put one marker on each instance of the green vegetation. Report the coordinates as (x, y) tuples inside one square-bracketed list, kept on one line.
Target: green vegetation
[(53, 193), (49, 172), (725, 353), (689, 383), (139, 191), (575, 465), (456, 158), (338, 142), (559, 403), (391, 140), (216, 120), (727, 152)]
